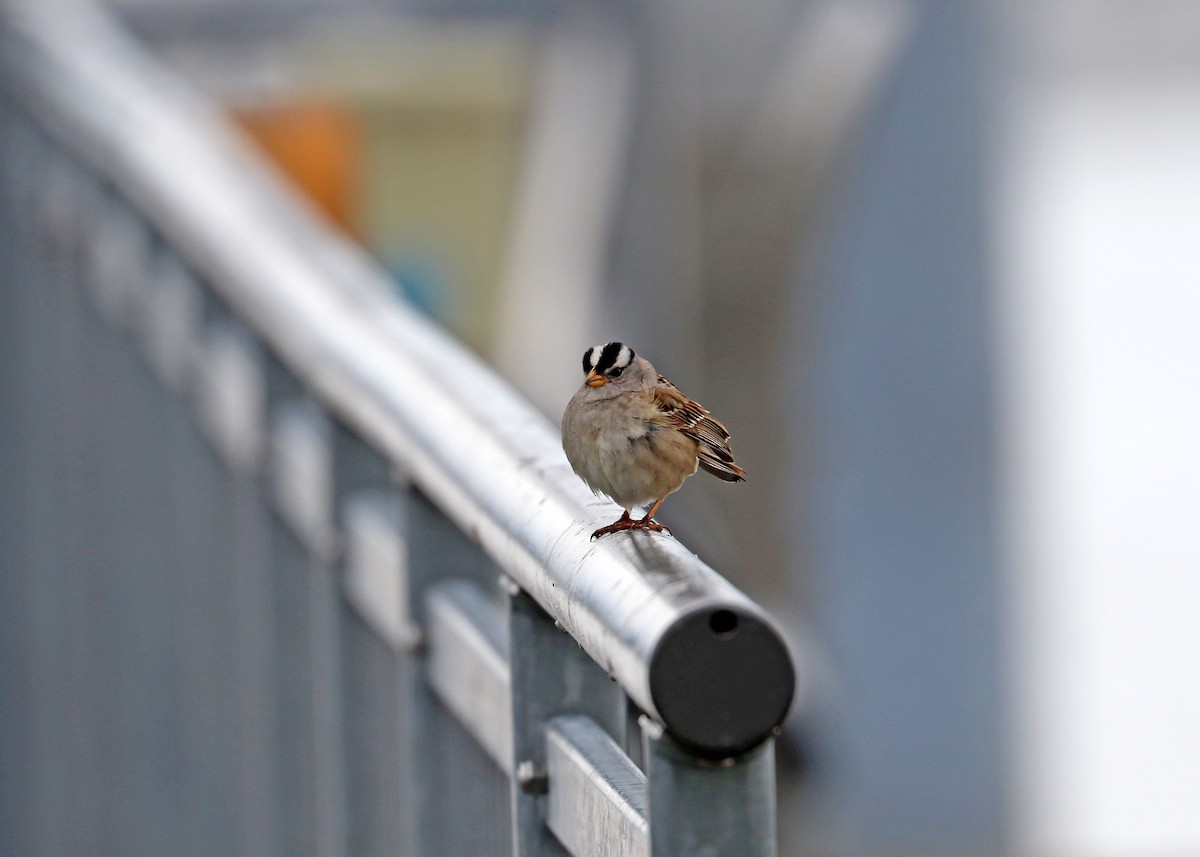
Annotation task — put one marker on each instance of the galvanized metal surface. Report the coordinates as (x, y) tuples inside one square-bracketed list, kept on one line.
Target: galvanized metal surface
[(468, 664), (550, 676), (598, 799), (714, 809), (375, 575)]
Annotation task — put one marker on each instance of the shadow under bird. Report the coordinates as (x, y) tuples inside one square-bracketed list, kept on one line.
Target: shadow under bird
[(632, 435)]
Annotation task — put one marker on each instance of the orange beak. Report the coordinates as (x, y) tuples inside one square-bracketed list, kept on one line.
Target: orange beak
[(595, 380)]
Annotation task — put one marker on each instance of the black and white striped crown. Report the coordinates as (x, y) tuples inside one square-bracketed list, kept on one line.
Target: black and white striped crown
[(602, 358)]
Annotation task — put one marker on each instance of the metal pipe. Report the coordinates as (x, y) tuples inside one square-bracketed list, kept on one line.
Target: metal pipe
[(685, 644)]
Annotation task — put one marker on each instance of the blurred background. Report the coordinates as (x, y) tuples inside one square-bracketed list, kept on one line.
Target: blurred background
[(935, 264)]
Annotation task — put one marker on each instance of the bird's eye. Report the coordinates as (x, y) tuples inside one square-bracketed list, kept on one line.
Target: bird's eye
[(616, 371)]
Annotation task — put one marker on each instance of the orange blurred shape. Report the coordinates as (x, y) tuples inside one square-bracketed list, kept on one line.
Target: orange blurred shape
[(318, 144)]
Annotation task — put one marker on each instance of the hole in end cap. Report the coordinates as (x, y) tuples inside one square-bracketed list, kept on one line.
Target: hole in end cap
[(723, 623)]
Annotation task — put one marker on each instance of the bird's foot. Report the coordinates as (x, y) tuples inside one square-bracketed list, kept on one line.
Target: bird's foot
[(622, 523), (627, 523), (648, 523)]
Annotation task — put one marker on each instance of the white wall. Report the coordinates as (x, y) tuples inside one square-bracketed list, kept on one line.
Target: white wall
[(1100, 309)]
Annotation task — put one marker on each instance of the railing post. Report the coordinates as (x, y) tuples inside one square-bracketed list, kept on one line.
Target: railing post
[(456, 792), (380, 647), (300, 456), (221, 369), (701, 808), (378, 584), (550, 675)]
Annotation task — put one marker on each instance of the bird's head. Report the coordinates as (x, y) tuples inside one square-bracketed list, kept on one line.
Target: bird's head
[(615, 368)]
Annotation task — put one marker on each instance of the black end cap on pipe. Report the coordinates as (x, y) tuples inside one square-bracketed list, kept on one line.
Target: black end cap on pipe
[(722, 680)]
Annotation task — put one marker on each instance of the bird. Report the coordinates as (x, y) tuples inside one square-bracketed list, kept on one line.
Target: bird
[(630, 434)]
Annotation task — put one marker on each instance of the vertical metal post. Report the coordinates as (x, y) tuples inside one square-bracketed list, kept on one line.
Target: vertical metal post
[(217, 489), (701, 808), (550, 675), (79, 813), (301, 457), (43, 792), (237, 502), (375, 627), (248, 519), (326, 700), (128, 418), (378, 636), (449, 777)]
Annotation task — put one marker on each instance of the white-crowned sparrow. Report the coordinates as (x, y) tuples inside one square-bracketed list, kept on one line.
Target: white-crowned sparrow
[(629, 433)]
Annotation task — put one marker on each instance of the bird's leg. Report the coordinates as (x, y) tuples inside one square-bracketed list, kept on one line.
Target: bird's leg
[(648, 522), (622, 523)]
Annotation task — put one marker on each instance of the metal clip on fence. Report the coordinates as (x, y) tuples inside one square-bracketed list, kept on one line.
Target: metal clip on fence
[(427, 525)]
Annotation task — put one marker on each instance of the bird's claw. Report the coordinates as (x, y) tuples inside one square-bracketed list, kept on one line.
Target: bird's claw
[(625, 523)]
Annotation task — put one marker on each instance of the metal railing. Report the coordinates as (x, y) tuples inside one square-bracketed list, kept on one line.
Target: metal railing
[(287, 570)]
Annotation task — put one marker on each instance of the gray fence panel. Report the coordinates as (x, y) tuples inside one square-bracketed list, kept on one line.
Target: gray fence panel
[(263, 602)]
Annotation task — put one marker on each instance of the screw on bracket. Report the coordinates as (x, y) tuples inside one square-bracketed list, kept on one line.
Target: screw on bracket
[(532, 779)]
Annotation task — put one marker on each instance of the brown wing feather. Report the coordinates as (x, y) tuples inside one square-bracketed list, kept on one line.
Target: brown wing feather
[(692, 419)]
